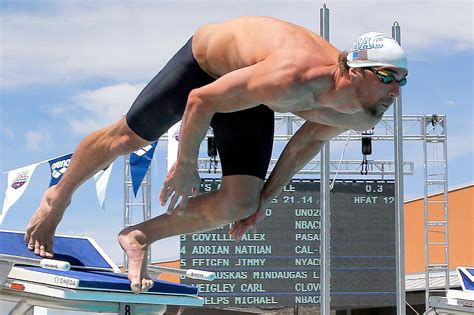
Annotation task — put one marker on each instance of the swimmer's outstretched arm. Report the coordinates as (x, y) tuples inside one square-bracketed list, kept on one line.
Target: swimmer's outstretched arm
[(302, 148), (305, 144), (270, 81)]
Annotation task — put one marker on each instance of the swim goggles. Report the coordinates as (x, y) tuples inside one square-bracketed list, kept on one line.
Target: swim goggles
[(387, 78)]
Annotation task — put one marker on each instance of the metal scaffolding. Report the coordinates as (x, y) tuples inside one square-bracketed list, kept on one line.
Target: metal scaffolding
[(435, 208)]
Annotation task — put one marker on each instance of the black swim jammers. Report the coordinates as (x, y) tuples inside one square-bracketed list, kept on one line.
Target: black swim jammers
[(244, 139)]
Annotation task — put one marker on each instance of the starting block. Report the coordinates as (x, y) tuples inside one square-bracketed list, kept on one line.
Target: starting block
[(456, 301), (81, 277)]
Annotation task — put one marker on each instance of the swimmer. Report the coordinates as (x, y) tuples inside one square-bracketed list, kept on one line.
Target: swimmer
[(232, 78)]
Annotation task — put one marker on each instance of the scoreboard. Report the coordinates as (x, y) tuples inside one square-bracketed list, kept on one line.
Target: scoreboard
[(280, 264)]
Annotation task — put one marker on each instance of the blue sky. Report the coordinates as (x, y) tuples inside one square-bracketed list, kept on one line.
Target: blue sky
[(68, 68)]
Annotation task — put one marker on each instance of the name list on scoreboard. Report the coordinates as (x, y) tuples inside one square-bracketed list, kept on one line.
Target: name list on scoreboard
[(279, 264)]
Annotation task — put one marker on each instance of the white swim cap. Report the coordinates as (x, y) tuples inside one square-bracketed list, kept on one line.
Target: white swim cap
[(376, 49)]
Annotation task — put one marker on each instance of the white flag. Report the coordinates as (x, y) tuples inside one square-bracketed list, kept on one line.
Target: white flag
[(101, 180), (173, 144), (18, 180)]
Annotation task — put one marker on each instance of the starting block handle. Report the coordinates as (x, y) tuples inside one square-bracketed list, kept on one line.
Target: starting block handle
[(55, 264), (200, 274), (43, 262), (190, 273)]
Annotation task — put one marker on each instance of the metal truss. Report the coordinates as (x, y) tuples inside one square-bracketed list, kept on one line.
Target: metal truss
[(413, 128), (346, 167), (430, 128)]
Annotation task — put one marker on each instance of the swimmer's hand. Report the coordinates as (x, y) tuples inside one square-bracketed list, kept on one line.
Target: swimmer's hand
[(239, 228), (182, 181)]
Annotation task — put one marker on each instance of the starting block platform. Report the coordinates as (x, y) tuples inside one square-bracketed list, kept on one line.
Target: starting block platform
[(456, 301), (89, 281)]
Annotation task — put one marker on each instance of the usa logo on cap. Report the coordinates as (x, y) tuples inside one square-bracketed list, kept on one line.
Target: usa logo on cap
[(359, 55)]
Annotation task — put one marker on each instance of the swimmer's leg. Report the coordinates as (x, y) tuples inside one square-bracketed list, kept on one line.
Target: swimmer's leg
[(237, 198)]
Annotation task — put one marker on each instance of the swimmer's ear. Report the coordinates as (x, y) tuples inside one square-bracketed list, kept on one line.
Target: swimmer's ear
[(356, 73)]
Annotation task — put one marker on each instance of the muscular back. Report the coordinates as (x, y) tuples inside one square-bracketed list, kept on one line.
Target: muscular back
[(225, 47), (261, 60)]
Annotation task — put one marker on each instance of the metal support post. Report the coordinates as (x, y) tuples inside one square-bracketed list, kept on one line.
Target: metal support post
[(325, 200), (399, 221)]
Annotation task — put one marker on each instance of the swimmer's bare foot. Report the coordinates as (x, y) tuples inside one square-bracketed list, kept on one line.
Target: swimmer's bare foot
[(147, 282), (133, 242), (40, 231)]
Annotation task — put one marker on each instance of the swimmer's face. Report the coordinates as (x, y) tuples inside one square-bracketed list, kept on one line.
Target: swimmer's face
[(380, 86)]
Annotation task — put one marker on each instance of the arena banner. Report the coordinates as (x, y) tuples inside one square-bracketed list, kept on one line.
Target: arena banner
[(139, 163), (58, 167)]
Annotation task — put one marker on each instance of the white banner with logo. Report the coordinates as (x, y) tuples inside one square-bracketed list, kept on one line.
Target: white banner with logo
[(18, 180)]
